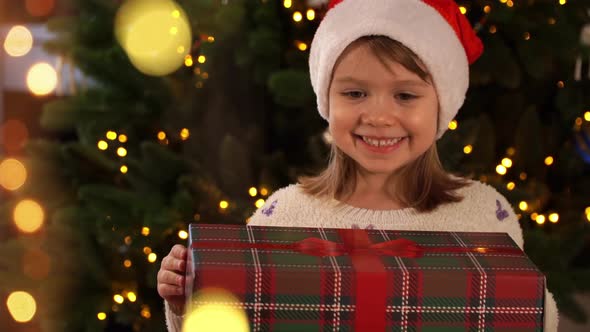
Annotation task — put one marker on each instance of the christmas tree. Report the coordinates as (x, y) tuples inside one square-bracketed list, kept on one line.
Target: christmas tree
[(139, 151)]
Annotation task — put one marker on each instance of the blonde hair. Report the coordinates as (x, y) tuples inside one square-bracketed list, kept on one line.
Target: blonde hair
[(423, 184)]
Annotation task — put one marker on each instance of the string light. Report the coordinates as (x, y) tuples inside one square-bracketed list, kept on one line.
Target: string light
[(463, 10), (121, 152), (287, 3), (297, 16), (487, 9), (147, 250), (259, 203), (302, 46), (128, 240), (184, 134), (560, 84), (131, 296), (507, 162), (527, 36), (188, 60), (587, 116), (127, 263), (453, 125), (263, 191), (562, 2), (534, 216), (510, 186), (122, 138), (183, 235), (510, 4), (21, 306), (549, 161), (118, 298), (211, 39), (500, 169), (101, 316), (510, 151), (111, 135), (310, 14), (145, 312), (493, 29), (145, 231), (252, 191), (540, 219), (102, 145), (201, 59), (13, 174), (123, 169), (523, 206), (161, 135), (152, 257), (467, 149), (522, 176), (223, 205), (554, 217)]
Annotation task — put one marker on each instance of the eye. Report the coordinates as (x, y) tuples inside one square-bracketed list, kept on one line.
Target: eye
[(353, 94), (406, 96)]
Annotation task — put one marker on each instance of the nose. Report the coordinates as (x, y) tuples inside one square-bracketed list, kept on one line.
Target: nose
[(380, 112)]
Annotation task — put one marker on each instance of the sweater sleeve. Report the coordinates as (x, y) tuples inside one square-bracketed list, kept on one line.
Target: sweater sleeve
[(512, 227), (279, 209), (173, 321)]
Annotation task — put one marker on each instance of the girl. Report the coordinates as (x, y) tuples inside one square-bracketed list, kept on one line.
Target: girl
[(389, 76)]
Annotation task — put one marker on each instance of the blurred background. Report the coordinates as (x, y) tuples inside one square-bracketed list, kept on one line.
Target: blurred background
[(121, 122)]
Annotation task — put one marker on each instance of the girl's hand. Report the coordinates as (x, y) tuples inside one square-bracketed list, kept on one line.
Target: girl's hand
[(171, 279)]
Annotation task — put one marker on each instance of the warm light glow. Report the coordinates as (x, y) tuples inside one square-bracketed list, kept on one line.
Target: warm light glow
[(127, 263), (467, 149), (527, 36), (118, 298), (453, 125), (210, 314), (510, 151), (511, 186), (19, 41), (287, 3), (523, 206), (101, 316), (560, 84), (302, 46), (223, 204), (252, 191), (102, 145), (211, 39), (13, 174), (562, 2), (493, 29), (463, 10), (523, 176), (551, 21), (184, 134), (588, 216), (42, 79), (587, 116), (131, 296), (310, 14), (145, 231), (121, 152), (188, 60), (123, 169), (549, 161), (21, 306), (183, 235), (263, 191), (534, 216), (161, 135), (128, 240), (540, 219), (28, 216), (507, 162), (500, 169), (111, 135), (145, 312), (205, 75), (554, 217), (259, 203), (152, 257), (201, 59), (122, 138), (509, 3), (487, 9), (578, 121), (297, 16), (147, 250), (13, 135)]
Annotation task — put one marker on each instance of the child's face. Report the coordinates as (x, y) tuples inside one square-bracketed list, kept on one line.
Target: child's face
[(383, 118)]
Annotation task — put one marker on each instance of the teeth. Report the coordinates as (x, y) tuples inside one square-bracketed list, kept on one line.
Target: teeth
[(381, 142)]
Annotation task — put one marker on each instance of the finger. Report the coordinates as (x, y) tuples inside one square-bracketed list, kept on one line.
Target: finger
[(168, 291), (178, 252), (173, 264), (170, 278)]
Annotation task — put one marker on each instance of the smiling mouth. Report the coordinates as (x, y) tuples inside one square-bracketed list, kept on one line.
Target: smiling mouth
[(380, 142)]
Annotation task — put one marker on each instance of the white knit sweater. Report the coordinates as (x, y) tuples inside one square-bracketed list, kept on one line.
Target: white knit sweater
[(483, 209)]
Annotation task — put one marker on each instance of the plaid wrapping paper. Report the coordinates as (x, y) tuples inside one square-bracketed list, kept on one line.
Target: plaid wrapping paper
[(283, 290)]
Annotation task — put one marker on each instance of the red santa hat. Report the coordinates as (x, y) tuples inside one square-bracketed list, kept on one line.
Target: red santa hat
[(435, 30)]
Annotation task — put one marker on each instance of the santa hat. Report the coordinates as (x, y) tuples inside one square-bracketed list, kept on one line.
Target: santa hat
[(435, 30)]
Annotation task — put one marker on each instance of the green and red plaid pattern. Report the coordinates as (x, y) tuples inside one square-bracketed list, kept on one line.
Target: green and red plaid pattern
[(284, 290)]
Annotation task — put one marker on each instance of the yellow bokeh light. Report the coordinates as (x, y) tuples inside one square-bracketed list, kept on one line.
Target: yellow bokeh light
[(310, 14), (145, 312), (534, 216), (540, 219), (111, 135), (210, 313), (124, 169), (500, 169), (152, 257), (510, 186), (223, 204), (13, 174), (523, 206), (588, 216), (287, 3), (41, 79), (463, 10), (102, 145), (202, 59), (122, 138), (467, 149), (28, 216), (507, 162), (101, 316), (131, 296), (253, 192), (302, 46), (509, 3), (562, 2), (19, 41), (259, 203), (297, 16), (21, 306), (183, 235), (549, 161), (118, 298), (121, 152), (145, 231), (147, 250), (554, 217), (453, 125), (211, 39), (188, 61), (169, 32), (127, 263), (587, 116), (185, 134), (263, 191), (161, 135)]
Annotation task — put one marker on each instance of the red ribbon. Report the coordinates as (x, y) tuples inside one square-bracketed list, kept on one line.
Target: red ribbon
[(370, 274)]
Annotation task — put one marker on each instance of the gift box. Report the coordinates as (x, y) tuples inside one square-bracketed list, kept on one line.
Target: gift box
[(315, 279)]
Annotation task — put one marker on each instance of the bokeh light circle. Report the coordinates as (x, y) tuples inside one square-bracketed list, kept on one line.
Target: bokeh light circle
[(216, 310), (19, 41), (13, 174), (42, 79), (22, 306), (28, 216)]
